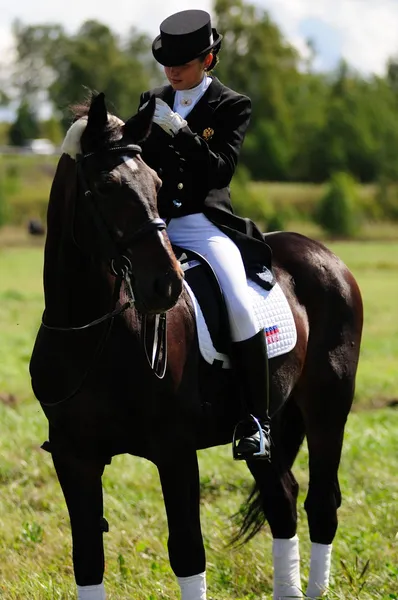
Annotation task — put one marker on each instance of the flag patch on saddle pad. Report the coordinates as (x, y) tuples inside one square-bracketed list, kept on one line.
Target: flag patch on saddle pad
[(272, 334), (272, 313)]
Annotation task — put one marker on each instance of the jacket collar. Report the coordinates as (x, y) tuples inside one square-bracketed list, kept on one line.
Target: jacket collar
[(201, 114), (213, 92), (211, 96), (167, 94)]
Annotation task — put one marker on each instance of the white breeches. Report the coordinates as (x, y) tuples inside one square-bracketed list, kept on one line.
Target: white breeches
[(195, 232)]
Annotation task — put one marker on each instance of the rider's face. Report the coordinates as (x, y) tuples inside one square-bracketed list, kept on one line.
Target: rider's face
[(185, 77)]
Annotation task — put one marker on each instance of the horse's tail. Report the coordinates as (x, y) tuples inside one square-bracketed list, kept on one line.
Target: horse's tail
[(276, 478), (250, 518)]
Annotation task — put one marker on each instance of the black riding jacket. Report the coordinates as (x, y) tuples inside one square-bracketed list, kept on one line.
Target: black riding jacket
[(197, 165)]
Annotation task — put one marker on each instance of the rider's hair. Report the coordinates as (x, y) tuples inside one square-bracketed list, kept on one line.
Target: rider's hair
[(214, 51)]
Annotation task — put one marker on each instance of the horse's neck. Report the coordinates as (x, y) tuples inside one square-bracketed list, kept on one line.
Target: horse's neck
[(76, 287)]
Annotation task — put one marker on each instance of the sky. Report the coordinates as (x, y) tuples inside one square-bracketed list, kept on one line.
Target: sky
[(364, 32)]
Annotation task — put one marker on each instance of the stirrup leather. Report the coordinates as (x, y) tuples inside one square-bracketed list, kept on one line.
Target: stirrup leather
[(262, 429)]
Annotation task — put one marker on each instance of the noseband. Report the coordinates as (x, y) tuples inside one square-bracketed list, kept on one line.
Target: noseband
[(119, 264)]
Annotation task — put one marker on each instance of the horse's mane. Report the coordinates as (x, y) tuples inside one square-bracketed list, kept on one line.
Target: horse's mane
[(80, 110)]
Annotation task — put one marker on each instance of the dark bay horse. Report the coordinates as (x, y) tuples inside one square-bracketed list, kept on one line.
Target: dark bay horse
[(105, 244)]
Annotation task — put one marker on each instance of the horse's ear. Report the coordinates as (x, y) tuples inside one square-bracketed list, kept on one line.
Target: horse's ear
[(138, 127), (97, 114)]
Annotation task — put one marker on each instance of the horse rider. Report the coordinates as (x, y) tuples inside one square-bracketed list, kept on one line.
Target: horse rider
[(200, 125)]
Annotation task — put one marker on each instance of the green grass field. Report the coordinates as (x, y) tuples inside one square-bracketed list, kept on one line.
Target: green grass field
[(34, 529)]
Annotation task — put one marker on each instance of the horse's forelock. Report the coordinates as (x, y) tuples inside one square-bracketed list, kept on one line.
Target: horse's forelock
[(71, 144)]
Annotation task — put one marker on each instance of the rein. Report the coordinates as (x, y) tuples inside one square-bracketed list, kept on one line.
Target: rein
[(120, 266), (123, 276)]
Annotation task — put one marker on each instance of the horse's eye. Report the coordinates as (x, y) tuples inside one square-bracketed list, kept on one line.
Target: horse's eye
[(104, 184)]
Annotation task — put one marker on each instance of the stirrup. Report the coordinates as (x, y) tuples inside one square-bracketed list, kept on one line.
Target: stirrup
[(263, 452)]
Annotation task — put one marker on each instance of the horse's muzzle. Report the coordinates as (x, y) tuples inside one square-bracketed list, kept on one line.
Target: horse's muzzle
[(158, 294)]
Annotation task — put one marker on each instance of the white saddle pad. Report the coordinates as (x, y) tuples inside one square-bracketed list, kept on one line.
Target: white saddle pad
[(273, 315)]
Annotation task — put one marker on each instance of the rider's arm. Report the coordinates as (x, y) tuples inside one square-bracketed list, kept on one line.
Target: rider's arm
[(217, 157)]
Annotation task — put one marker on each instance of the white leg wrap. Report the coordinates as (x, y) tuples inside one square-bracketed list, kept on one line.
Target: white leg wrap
[(318, 583), (194, 587), (286, 555), (91, 592)]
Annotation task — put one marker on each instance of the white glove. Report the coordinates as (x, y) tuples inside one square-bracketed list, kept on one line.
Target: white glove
[(168, 120)]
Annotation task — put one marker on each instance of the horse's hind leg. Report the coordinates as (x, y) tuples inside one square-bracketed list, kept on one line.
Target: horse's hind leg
[(179, 476), (280, 511), (277, 500), (80, 480), (325, 416)]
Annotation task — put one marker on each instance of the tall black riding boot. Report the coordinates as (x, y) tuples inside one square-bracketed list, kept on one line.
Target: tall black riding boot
[(252, 436)]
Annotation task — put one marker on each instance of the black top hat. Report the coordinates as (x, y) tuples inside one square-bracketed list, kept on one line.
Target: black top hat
[(184, 36)]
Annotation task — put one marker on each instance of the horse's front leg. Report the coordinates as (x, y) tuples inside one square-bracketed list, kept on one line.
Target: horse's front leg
[(80, 480), (179, 476)]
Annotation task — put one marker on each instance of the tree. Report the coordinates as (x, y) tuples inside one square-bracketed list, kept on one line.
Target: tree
[(360, 129), (305, 125), (4, 98), (258, 61), (138, 47), (309, 114), (337, 211), (51, 129), (37, 47), (94, 58), (267, 153), (25, 127), (392, 74)]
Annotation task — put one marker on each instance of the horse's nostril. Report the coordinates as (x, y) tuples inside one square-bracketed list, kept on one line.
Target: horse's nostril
[(168, 286), (163, 286)]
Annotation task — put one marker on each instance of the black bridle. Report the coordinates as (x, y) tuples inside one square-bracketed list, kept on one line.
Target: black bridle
[(118, 263)]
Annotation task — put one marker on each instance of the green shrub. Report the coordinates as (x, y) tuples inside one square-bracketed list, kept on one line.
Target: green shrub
[(387, 200), (245, 200), (25, 127), (276, 222), (4, 206), (12, 179), (337, 211)]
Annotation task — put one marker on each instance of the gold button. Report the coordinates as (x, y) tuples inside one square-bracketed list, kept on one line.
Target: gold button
[(180, 186)]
